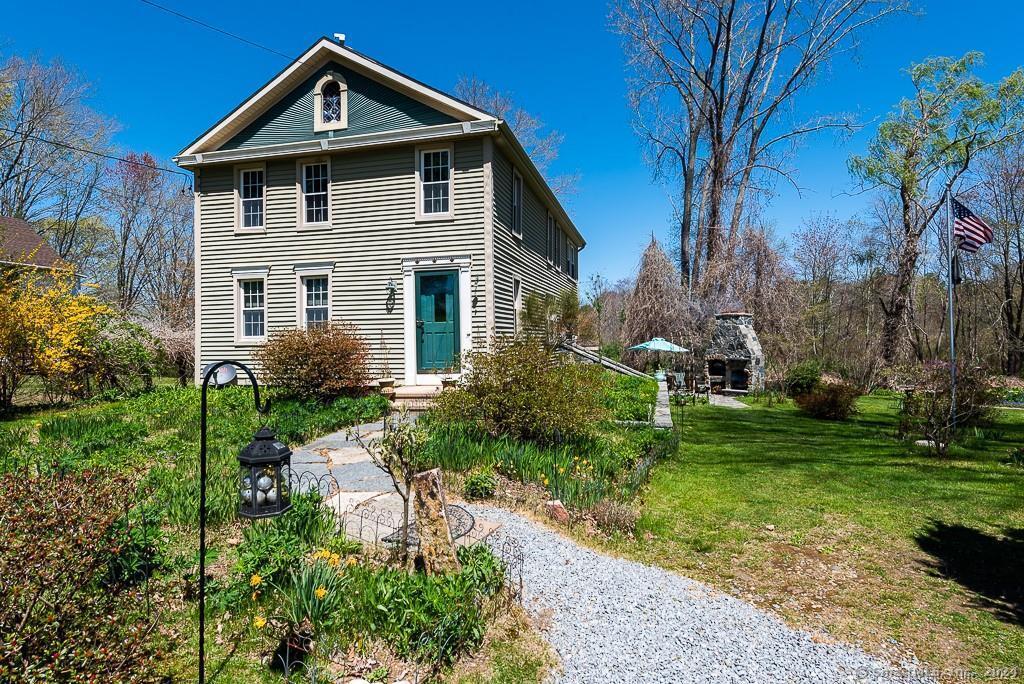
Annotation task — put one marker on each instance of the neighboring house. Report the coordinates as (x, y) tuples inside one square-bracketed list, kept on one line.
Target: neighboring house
[(22, 247), (344, 190)]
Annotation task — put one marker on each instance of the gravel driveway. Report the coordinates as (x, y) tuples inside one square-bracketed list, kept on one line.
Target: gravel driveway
[(614, 620)]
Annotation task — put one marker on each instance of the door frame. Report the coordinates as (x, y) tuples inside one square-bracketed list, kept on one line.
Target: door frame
[(410, 265), (455, 314)]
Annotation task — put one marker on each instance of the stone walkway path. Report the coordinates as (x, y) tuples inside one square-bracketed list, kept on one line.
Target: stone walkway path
[(727, 402)]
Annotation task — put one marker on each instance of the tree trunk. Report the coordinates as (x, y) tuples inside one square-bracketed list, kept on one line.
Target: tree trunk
[(437, 549)]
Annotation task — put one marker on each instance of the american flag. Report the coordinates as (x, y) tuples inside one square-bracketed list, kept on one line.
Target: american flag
[(971, 232)]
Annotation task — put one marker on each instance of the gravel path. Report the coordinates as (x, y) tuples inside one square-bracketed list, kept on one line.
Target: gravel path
[(614, 620)]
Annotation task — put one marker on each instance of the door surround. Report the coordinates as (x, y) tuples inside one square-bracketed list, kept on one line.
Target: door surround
[(410, 265)]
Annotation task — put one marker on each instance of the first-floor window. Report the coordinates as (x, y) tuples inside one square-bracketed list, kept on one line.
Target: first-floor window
[(517, 303), (314, 192), (315, 300), (251, 194), (253, 308), (435, 176)]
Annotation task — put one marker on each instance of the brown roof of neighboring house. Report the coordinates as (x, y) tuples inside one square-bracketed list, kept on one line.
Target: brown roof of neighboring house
[(21, 244)]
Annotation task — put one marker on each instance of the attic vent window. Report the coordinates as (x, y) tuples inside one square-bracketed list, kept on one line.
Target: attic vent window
[(330, 101)]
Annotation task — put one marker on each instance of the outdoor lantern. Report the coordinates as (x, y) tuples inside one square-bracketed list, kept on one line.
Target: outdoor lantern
[(265, 467)]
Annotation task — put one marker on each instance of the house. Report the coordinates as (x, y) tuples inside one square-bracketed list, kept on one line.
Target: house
[(22, 247), (346, 190)]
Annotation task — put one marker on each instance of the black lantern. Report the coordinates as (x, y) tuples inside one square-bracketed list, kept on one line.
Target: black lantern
[(264, 470)]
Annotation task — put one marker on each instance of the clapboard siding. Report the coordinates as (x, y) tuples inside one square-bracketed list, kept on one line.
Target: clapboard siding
[(524, 258), (373, 228), (372, 107)]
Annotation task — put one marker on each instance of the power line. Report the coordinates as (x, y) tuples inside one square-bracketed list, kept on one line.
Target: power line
[(84, 150), (215, 28)]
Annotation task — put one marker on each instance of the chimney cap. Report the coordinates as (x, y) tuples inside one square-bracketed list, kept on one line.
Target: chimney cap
[(340, 37)]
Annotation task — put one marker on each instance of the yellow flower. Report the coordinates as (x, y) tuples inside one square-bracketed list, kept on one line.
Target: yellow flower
[(335, 560), (259, 622), (255, 581), (320, 592), (350, 561)]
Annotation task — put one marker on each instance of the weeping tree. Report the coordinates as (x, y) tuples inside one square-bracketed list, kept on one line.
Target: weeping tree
[(655, 309)]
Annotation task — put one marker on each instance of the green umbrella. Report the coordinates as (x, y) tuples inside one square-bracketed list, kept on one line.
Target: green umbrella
[(659, 344)]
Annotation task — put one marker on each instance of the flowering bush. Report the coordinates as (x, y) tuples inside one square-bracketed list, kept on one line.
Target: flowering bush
[(320, 362), (66, 614)]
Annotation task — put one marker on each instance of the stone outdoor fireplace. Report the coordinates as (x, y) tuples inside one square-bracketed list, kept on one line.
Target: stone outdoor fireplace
[(734, 362)]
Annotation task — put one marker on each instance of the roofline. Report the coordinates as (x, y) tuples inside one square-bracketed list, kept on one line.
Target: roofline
[(416, 89), (524, 160), (53, 267)]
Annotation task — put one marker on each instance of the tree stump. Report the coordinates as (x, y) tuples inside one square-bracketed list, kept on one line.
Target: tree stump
[(437, 549)]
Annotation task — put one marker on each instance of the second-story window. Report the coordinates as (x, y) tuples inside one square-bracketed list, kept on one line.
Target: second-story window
[(435, 177), (517, 203), (571, 263), (552, 227), (314, 193), (251, 192)]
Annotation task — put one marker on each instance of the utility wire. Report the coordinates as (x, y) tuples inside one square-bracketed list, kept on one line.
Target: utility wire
[(94, 152), (216, 29)]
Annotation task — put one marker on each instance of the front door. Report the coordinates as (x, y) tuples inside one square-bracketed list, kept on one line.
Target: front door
[(437, 320)]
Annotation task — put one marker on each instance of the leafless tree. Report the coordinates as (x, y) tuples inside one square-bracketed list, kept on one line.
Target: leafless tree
[(540, 143), (712, 81)]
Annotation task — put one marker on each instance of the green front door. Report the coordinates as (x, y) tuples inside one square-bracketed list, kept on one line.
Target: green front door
[(437, 320)]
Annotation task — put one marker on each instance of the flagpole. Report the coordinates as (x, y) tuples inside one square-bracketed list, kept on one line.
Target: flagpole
[(949, 296)]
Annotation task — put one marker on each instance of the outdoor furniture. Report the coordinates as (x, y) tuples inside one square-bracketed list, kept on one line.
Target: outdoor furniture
[(460, 522)]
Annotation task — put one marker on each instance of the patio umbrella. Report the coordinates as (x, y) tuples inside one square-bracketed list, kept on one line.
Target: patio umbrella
[(659, 344)]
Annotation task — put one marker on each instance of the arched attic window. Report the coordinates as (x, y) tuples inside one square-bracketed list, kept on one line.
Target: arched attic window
[(331, 103)]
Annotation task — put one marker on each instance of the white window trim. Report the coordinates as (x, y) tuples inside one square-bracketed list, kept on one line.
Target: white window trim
[(550, 228), (312, 270), (300, 192), (450, 214), (318, 103), (249, 273), (517, 226), (517, 304), (239, 214)]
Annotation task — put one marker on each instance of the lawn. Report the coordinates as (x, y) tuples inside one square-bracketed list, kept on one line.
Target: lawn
[(839, 527)]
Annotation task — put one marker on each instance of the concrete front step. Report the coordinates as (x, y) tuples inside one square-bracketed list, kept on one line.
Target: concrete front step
[(415, 397)]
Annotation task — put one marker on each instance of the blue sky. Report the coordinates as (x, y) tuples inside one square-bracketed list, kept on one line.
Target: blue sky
[(165, 81)]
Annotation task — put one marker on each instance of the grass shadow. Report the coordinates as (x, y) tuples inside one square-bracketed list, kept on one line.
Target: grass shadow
[(990, 566)]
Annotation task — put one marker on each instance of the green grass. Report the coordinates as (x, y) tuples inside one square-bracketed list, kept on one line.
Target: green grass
[(838, 525)]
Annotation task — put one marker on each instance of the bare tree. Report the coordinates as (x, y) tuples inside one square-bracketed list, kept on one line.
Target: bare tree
[(541, 144), (712, 81)]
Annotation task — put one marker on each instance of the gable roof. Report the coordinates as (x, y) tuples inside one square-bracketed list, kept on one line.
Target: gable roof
[(20, 244), (322, 51)]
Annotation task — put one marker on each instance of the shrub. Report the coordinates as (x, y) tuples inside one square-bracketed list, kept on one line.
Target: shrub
[(926, 410), (62, 618), (480, 485), (120, 359), (613, 516), (803, 378), (837, 401), (630, 398), (521, 389), (320, 362)]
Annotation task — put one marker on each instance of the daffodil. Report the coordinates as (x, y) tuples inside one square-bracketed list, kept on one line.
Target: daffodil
[(259, 622), (335, 560), (255, 581), (320, 592), (350, 561)]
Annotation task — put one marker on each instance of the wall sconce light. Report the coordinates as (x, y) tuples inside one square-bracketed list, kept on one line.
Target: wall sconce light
[(392, 290), (391, 287)]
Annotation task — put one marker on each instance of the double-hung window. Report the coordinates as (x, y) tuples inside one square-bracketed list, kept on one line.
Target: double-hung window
[(253, 308), (572, 261), (560, 251), (517, 204), (435, 182), (315, 300), (314, 184), (251, 194)]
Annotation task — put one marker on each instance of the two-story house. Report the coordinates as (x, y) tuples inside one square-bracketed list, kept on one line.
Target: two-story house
[(346, 190)]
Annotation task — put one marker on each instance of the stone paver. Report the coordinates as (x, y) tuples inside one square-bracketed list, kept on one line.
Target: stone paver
[(727, 402), (662, 411)]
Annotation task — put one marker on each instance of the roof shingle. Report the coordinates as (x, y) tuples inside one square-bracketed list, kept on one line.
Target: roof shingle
[(20, 244)]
